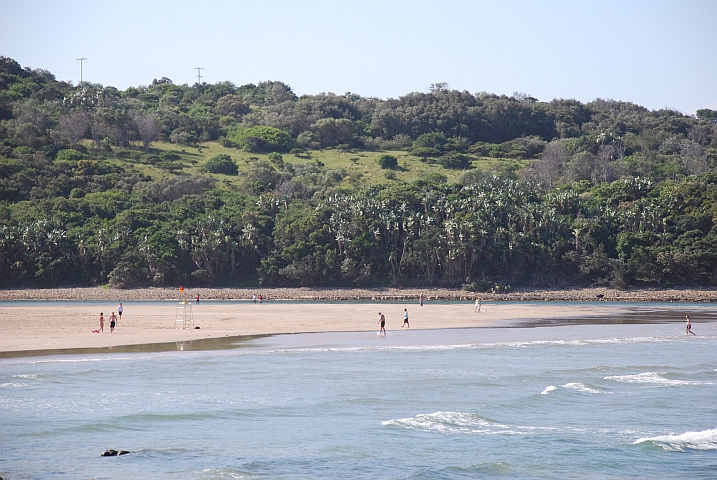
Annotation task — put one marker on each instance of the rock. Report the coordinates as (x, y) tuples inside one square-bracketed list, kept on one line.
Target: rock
[(113, 453)]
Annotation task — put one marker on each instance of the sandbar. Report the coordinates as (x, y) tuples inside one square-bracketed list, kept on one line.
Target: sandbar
[(29, 326)]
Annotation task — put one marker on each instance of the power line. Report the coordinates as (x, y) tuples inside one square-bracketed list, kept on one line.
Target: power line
[(83, 59), (199, 74)]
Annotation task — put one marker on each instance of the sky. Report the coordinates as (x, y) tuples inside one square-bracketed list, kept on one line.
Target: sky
[(656, 53)]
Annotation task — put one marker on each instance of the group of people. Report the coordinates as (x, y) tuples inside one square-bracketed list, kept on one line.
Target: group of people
[(114, 320), (382, 321)]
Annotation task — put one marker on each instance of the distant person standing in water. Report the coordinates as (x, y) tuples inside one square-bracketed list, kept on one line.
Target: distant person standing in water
[(420, 299), (197, 299), (478, 305), (261, 299), (120, 309), (113, 322), (253, 297), (688, 326), (102, 322), (382, 321), (405, 318)]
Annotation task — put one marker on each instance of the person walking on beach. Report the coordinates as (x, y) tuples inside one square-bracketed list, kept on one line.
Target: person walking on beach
[(197, 299), (405, 318), (688, 326), (120, 309), (253, 297), (382, 321), (102, 322), (478, 305), (113, 322), (261, 299), (420, 299)]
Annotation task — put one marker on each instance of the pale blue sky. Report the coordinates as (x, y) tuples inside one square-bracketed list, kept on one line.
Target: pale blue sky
[(654, 53)]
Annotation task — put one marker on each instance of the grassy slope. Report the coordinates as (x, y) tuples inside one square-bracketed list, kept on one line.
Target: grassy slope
[(361, 166)]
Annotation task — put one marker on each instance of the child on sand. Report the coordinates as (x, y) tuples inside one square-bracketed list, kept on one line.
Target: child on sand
[(102, 322)]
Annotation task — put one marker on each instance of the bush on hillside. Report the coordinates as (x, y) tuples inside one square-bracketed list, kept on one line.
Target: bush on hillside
[(221, 163)]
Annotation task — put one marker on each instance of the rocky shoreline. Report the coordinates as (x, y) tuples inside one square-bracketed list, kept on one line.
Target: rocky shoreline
[(362, 294)]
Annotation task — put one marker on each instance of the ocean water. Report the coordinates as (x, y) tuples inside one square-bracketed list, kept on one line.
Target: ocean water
[(568, 401)]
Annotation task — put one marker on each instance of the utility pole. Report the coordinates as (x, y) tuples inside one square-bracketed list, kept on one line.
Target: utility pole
[(199, 74), (83, 59)]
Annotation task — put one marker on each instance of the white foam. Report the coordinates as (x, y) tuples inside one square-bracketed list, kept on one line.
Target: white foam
[(29, 376), (14, 385), (473, 345), (654, 379), (460, 423), (704, 440), (548, 389), (581, 387)]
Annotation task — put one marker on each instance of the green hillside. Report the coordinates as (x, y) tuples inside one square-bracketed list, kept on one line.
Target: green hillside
[(225, 185)]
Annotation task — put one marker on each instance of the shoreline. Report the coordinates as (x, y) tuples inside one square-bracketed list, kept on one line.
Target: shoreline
[(596, 294)]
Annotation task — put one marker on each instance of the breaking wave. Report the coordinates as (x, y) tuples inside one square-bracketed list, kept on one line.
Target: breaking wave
[(704, 440)]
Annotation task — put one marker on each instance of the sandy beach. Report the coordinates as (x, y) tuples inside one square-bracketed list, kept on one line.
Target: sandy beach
[(65, 325), (67, 317)]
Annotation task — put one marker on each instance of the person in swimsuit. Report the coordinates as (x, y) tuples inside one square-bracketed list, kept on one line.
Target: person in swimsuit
[(688, 326), (113, 322), (382, 321), (102, 322), (405, 318)]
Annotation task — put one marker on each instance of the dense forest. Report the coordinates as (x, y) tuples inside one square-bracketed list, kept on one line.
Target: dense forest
[(253, 185)]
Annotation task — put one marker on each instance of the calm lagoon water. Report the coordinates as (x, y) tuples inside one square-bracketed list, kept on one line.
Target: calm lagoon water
[(568, 401)]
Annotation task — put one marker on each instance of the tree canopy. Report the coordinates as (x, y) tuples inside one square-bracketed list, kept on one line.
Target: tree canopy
[(518, 191)]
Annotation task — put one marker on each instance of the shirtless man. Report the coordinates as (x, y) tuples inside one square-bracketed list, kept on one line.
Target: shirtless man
[(688, 326), (382, 321), (113, 322)]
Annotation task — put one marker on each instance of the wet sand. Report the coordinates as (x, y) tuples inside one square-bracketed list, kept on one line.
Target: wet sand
[(30, 326)]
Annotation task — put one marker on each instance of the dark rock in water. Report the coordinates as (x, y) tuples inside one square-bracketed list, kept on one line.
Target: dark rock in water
[(113, 453), (196, 328)]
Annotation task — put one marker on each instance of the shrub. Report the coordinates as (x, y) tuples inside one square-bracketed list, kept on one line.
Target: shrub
[(262, 139), (386, 161), (425, 152), (23, 150), (276, 159), (221, 163), (151, 159), (130, 155), (455, 161), (70, 154), (435, 177), (169, 156)]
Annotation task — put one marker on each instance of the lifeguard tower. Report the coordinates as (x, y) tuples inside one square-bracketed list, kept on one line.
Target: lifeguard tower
[(184, 318)]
